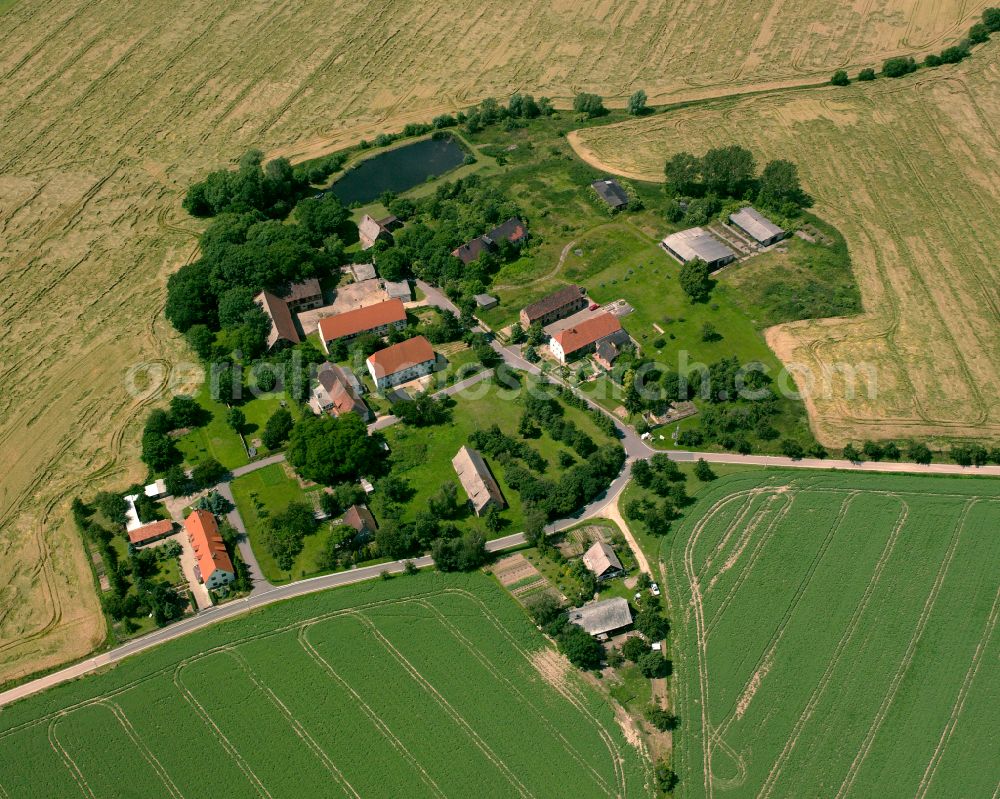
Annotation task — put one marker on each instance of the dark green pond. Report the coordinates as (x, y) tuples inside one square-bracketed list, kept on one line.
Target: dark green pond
[(398, 170)]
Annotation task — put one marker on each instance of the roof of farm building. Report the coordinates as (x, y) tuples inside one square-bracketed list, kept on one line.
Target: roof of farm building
[(512, 230), (697, 242), (587, 332), (471, 251), (602, 617), (302, 291), (359, 320), (282, 324), (476, 478), (612, 193), (756, 224), (553, 301), (209, 548), (401, 356), (148, 532)]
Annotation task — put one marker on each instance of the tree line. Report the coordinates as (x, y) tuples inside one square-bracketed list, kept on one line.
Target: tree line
[(899, 66)]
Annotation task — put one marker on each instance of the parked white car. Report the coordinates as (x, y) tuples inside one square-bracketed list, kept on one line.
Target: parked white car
[(654, 589)]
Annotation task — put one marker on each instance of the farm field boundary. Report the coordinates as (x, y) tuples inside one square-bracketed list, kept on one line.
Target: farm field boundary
[(920, 223), (832, 630), (108, 117), (360, 692)]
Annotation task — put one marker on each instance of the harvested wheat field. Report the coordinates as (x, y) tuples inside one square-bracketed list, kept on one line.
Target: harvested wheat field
[(108, 115), (908, 171)]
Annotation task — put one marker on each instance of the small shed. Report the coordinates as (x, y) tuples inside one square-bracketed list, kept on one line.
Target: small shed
[(485, 301), (611, 192), (398, 290)]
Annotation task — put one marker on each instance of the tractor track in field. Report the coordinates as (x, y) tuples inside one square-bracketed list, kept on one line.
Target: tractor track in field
[(904, 665), (775, 773)]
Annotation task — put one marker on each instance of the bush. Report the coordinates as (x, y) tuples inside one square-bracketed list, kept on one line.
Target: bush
[(582, 650), (899, 66), (840, 78), (634, 648), (955, 53), (933, 60), (979, 33), (866, 74), (653, 665), (991, 19), (589, 104)]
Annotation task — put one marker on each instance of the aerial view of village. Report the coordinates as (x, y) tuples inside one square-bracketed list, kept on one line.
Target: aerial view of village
[(529, 400)]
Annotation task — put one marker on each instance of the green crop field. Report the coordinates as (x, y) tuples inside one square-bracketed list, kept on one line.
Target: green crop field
[(835, 635), (428, 686)]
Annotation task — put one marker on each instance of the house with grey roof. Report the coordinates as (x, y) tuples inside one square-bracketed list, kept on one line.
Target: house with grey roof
[(757, 226), (304, 296), (604, 618)]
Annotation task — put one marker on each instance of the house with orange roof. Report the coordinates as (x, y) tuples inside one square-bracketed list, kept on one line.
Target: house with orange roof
[(377, 319), (402, 362), (213, 566), (583, 337)]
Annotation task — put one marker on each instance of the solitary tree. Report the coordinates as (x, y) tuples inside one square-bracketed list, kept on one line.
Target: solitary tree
[(840, 78), (637, 102), (695, 280), (703, 471), (866, 74), (236, 419), (991, 19)]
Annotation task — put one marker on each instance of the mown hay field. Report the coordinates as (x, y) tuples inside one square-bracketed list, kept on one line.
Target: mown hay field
[(427, 686), (909, 172), (837, 636), (108, 115)]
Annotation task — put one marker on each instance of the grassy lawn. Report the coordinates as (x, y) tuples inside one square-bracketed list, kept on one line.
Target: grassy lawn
[(423, 455), (634, 691), (574, 240), (259, 410), (216, 439), (262, 494)]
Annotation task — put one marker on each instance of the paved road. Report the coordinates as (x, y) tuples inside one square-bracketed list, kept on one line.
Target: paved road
[(265, 593), (257, 599)]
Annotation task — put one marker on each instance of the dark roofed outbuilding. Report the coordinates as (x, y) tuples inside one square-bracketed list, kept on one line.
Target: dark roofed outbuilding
[(611, 192)]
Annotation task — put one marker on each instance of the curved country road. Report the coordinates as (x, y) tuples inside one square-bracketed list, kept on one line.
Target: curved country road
[(264, 593)]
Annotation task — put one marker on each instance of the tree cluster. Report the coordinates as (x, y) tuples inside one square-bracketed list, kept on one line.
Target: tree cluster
[(731, 172), (331, 450), (270, 188), (452, 215)]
